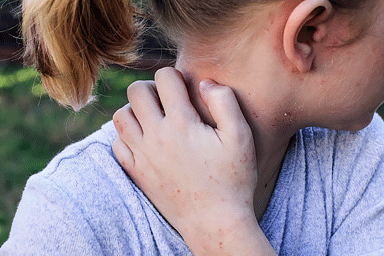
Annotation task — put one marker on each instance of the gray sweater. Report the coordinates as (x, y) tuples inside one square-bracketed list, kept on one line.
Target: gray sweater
[(329, 200)]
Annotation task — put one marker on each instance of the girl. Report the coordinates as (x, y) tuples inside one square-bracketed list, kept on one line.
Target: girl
[(291, 65), (286, 65)]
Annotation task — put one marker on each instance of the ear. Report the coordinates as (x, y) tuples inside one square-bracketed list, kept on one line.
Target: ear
[(305, 26)]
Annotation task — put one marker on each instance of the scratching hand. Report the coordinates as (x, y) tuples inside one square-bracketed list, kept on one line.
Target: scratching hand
[(200, 178)]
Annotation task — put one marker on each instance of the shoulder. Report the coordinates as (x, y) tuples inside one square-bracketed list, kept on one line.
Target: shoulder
[(351, 167), (346, 148), (351, 161), (81, 168), (97, 145), (84, 203), (86, 177)]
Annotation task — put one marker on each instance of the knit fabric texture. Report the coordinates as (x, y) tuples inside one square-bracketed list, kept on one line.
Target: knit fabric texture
[(328, 200)]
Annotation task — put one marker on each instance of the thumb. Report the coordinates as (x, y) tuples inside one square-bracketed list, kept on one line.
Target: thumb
[(224, 108)]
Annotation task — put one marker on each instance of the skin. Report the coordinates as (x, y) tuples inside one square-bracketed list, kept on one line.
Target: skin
[(282, 77)]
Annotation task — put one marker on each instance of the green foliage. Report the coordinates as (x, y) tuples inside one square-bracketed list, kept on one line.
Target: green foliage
[(381, 111), (33, 128)]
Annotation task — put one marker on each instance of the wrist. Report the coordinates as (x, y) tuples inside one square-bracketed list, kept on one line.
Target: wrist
[(235, 235)]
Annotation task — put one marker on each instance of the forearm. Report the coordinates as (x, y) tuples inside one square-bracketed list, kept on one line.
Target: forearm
[(243, 237)]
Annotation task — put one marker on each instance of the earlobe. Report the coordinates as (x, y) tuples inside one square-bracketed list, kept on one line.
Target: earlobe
[(309, 13)]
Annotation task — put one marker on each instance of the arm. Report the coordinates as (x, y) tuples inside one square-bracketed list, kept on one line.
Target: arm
[(201, 179)]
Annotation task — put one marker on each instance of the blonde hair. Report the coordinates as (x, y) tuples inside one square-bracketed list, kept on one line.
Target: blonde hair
[(68, 41), (201, 20)]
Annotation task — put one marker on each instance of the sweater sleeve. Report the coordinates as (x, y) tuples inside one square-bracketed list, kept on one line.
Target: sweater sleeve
[(48, 223)]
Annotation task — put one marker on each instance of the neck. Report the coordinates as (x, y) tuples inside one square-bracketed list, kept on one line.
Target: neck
[(272, 130), (271, 142)]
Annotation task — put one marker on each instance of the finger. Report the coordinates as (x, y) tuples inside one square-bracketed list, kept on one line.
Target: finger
[(123, 155), (127, 125), (145, 103), (224, 108), (173, 93)]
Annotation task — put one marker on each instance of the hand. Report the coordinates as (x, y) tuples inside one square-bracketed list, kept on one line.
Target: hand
[(201, 179)]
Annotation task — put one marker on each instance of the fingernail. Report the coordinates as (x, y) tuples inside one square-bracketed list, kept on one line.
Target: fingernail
[(205, 84)]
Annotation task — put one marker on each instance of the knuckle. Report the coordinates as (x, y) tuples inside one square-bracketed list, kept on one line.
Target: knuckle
[(164, 74), (163, 71), (119, 120), (117, 116), (137, 88), (120, 113), (245, 133), (241, 133)]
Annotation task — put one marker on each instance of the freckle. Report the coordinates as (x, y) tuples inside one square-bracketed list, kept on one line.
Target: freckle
[(210, 177), (235, 173), (284, 61), (246, 202), (205, 162)]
